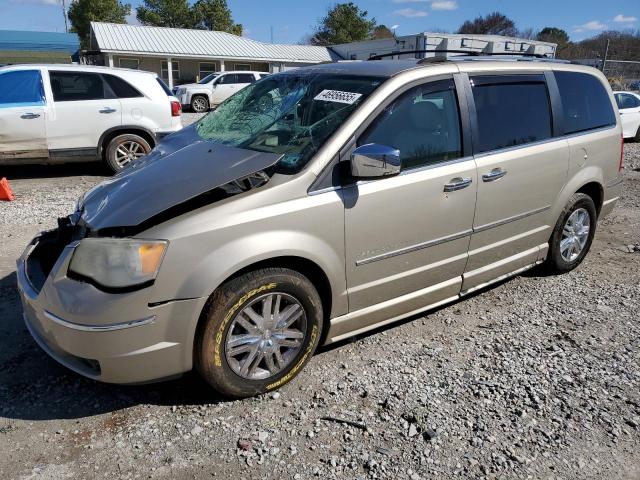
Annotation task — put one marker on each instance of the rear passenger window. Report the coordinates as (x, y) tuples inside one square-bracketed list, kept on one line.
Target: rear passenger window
[(511, 111), (422, 123), (585, 102), (624, 100), (245, 78), (76, 86), (121, 88)]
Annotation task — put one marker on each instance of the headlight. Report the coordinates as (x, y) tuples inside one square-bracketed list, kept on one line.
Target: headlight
[(118, 262)]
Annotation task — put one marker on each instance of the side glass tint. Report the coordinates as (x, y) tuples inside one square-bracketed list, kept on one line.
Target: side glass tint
[(585, 102), (423, 123), (121, 88), (76, 86), (511, 114)]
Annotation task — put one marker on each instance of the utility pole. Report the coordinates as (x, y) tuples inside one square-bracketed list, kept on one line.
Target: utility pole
[(64, 14), (606, 52), (271, 33)]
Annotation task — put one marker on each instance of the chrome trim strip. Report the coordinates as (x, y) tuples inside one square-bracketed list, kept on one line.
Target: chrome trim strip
[(504, 221), (413, 248), (99, 328)]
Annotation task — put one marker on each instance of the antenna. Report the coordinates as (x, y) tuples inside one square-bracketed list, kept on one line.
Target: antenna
[(271, 33)]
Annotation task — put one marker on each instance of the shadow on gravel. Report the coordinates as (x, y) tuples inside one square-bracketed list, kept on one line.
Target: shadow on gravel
[(15, 172)]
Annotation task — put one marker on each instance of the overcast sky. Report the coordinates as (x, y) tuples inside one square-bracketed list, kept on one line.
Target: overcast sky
[(293, 19)]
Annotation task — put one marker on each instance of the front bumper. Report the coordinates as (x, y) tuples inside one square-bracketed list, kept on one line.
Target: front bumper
[(116, 338)]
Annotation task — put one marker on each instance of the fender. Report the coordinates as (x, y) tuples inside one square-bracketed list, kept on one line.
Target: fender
[(582, 177)]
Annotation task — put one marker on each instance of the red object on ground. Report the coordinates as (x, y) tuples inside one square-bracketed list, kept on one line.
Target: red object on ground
[(5, 190)]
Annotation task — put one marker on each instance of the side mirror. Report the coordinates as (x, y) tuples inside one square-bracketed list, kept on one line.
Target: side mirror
[(374, 160)]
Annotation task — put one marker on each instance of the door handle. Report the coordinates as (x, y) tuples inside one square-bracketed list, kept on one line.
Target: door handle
[(30, 116), (493, 175), (108, 110), (457, 183)]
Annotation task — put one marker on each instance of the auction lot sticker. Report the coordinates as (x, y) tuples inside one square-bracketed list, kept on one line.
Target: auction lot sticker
[(338, 96)]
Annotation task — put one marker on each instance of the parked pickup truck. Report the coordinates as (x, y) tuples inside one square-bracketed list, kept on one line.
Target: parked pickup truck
[(214, 89)]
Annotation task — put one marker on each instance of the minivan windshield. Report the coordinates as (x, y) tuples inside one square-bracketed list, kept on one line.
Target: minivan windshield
[(291, 114)]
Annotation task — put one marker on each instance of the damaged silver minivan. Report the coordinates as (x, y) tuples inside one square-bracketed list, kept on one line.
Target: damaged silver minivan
[(320, 203)]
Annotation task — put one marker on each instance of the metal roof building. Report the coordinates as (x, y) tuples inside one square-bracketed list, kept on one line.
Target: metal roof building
[(18, 46), (182, 55)]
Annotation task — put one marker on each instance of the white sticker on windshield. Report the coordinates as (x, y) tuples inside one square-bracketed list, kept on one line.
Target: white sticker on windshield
[(338, 96)]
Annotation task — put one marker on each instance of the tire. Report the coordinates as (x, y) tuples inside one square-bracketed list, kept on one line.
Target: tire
[(116, 156), (242, 370), (637, 137), (564, 257), (200, 104)]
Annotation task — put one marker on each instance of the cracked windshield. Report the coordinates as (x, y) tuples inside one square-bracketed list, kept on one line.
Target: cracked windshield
[(287, 114)]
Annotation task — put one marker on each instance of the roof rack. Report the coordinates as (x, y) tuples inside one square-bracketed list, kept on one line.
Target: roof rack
[(464, 52)]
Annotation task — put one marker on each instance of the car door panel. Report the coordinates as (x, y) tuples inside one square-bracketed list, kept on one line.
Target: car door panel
[(518, 185), (425, 237), (23, 110), (407, 236), (81, 111)]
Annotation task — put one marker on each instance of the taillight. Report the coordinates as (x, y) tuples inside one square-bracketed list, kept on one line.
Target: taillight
[(621, 164), (176, 109)]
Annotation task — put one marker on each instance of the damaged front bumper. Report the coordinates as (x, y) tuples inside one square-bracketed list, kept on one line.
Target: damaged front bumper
[(116, 338)]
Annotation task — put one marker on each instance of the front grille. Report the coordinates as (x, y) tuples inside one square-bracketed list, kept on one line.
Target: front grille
[(49, 248)]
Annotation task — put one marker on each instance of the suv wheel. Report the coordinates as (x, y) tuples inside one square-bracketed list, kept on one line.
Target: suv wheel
[(124, 149), (200, 104), (573, 234), (260, 329)]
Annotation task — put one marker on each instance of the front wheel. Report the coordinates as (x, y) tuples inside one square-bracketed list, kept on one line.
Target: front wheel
[(260, 329), (573, 234)]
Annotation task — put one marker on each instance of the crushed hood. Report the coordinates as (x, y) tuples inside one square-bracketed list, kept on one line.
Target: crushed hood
[(180, 168)]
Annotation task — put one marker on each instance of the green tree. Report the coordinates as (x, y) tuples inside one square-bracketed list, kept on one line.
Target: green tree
[(494, 23), (215, 15), (83, 12), (553, 35), (165, 13), (344, 23), (381, 31)]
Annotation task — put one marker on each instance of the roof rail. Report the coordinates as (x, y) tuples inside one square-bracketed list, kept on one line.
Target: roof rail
[(465, 52)]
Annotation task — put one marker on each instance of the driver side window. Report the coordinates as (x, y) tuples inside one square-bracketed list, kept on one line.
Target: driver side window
[(423, 123)]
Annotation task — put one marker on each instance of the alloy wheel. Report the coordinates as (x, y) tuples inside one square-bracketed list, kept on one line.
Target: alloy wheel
[(265, 336), (199, 104), (129, 151), (575, 234)]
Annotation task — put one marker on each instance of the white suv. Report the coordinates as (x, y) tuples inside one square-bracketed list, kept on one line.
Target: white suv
[(214, 89), (66, 113)]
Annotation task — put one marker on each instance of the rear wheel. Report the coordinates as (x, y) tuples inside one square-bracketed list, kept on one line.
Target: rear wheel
[(200, 104), (573, 234), (260, 330), (124, 149)]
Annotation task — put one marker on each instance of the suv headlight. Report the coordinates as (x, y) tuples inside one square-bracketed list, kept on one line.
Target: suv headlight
[(118, 262)]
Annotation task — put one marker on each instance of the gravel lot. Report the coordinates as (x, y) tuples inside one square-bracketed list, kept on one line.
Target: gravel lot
[(538, 377)]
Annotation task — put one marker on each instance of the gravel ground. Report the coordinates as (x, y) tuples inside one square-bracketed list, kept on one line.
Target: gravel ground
[(538, 377)]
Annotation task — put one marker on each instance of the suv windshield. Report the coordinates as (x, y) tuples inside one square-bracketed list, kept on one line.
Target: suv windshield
[(208, 78), (290, 114)]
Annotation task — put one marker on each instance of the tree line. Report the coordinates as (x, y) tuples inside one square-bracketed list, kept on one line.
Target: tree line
[(343, 23)]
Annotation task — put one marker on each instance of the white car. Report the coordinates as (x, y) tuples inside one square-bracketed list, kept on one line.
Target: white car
[(214, 89), (629, 107), (67, 113)]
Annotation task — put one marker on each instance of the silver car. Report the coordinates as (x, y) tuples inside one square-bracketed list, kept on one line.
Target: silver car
[(318, 204)]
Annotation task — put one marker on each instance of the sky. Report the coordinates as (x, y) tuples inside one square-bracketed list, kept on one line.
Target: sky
[(292, 20)]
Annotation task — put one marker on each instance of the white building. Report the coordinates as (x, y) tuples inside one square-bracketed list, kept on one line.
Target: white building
[(433, 42), (181, 55)]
